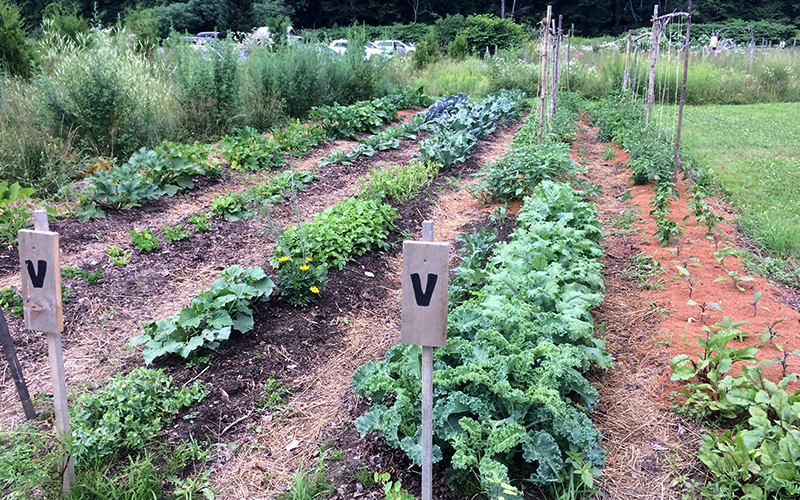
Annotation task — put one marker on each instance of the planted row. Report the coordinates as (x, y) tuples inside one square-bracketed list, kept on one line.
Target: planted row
[(342, 122), (517, 349), (458, 128)]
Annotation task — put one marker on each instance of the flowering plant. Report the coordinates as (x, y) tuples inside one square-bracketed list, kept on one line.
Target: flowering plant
[(299, 281)]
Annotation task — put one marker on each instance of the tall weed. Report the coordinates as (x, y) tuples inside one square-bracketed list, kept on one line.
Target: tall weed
[(109, 96)]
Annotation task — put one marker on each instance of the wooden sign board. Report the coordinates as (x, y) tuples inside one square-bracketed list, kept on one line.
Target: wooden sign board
[(41, 281), (424, 302)]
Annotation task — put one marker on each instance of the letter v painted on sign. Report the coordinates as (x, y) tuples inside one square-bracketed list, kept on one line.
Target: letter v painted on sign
[(37, 277), (424, 298)]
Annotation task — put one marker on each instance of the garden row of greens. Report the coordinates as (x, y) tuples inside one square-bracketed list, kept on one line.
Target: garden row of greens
[(304, 254), (520, 337), (758, 453)]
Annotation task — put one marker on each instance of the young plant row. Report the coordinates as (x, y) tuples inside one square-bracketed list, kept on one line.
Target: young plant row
[(527, 164), (756, 452), (243, 205), (251, 150), (520, 337)]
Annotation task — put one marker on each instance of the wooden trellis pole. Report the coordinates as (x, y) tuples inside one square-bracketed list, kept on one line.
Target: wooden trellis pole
[(627, 72), (543, 85), (683, 93), (653, 61), (556, 67), (569, 45)]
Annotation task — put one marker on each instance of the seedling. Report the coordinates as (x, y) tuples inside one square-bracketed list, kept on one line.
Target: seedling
[(89, 277), (200, 221), (118, 256), (782, 360), (732, 276), (684, 275), (703, 307), (769, 332), (756, 298)]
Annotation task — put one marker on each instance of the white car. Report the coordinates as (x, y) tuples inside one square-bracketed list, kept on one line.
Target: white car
[(340, 47), (391, 47)]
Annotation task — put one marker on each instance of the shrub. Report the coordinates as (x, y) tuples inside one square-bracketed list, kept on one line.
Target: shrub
[(207, 84), (15, 55), (109, 97), (458, 49), (427, 51), (487, 30)]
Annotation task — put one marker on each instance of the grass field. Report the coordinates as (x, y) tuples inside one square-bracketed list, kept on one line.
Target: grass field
[(754, 150)]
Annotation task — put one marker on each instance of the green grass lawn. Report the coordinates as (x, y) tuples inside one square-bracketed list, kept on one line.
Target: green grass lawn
[(754, 150)]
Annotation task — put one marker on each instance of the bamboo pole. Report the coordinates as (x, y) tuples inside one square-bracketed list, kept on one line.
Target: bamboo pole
[(683, 94), (627, 73), (16, 370), (653, 62), (634, 81), (543, 85)]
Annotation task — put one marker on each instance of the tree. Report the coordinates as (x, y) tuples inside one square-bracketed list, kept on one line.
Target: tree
[(15, 55)]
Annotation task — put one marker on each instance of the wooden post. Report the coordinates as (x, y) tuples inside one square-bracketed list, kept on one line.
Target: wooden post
[(495, 50), (526, 51), (556, 56), (634, 81), (752, 54), (703, 58), (424, 323), (683, 94), (613, 55), (427, 398), (794, 45), (41, 294), (543, 94), (627, 73), (654, 38), (16, 370), (569, 45)]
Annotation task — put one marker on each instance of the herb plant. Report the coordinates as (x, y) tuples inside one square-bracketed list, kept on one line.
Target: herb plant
[(10, 301), (300, 282), (339, 234), (200, 221), (89, 277), (144, 240), (118, 256), (128, 413)]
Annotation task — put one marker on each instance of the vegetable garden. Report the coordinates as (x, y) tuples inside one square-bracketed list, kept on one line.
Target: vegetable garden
[(232, 315)]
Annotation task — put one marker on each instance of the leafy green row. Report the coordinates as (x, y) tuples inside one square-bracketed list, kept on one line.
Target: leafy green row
[(516, 352), (227, 305), (339, 234), (458, 128), (342, 122), (13, 217), (128, 413)]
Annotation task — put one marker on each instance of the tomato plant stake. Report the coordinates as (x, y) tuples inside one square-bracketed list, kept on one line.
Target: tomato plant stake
[(41, 293)]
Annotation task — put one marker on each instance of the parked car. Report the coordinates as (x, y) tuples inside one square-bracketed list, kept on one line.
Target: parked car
[(340, 47), (391, 47), (210, 35)]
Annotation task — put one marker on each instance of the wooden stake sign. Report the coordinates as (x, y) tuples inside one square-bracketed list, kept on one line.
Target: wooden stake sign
[(424, 323), (41, 300), (424, 307), (41, 281)]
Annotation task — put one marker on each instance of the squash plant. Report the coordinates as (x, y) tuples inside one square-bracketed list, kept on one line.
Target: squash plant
[(211, 316)]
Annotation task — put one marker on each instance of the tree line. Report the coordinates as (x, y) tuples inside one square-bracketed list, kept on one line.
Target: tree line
[(590, 17)]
